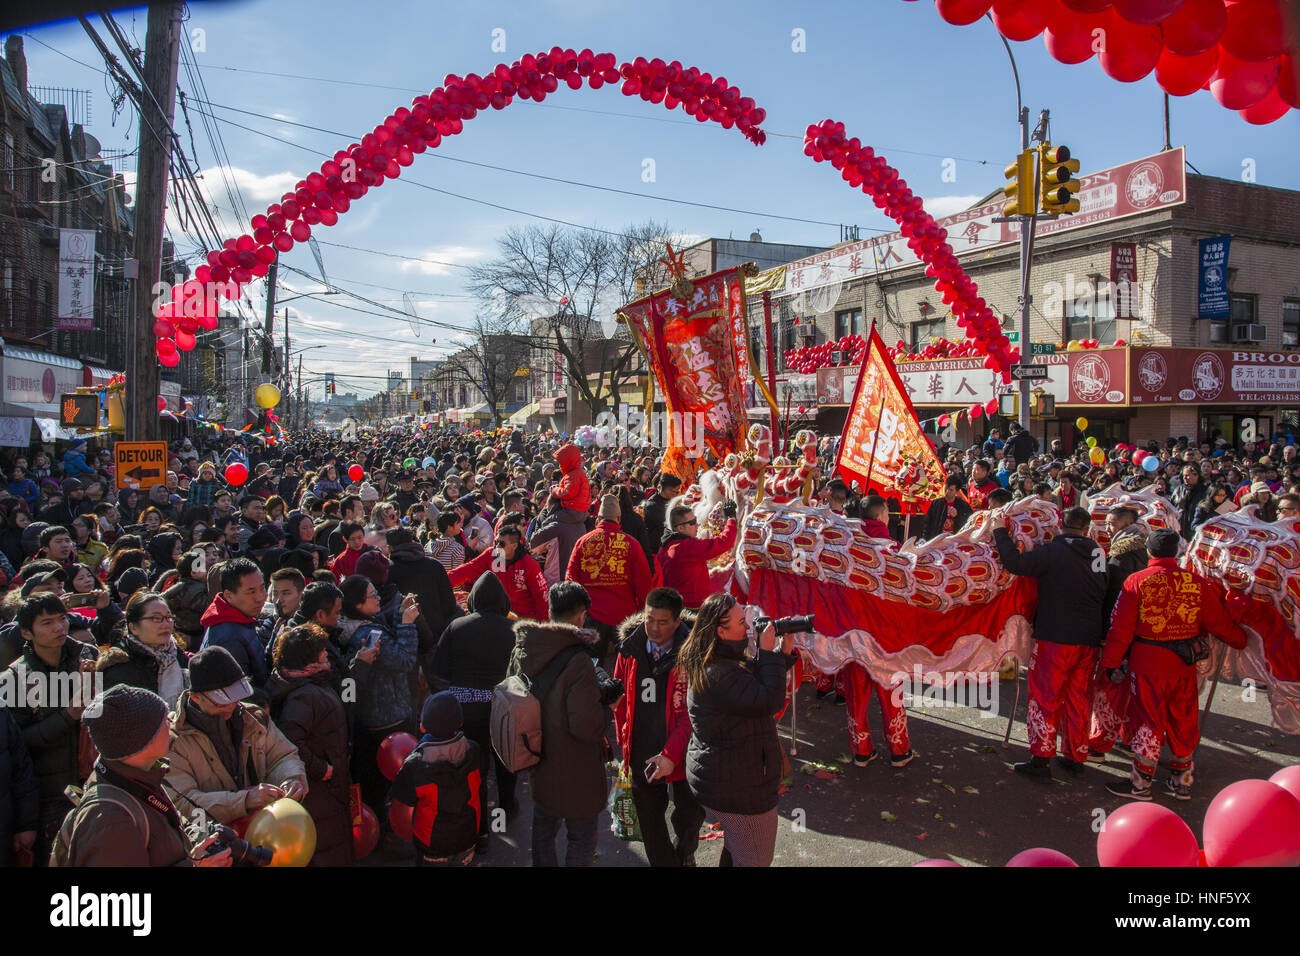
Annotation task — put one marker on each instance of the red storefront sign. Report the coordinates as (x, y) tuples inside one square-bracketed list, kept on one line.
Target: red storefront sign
[(1092, 377), (1173, 376)]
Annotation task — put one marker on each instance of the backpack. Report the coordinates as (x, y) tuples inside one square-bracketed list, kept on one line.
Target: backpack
[(61, 852), (516, 722)]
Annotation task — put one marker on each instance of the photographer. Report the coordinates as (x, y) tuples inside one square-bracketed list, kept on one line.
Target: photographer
[(733, 762), (124, 817)]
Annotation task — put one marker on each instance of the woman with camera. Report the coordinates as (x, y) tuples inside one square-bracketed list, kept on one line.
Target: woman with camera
[(733, 762)]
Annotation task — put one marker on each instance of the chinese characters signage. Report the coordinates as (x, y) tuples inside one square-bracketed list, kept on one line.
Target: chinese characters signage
[(77, 279), (1212, 285), (1214, 376), (881, 433), (1123, 275)]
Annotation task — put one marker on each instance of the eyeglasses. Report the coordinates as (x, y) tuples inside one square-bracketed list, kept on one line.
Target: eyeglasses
[(159, 618), (685, 524)]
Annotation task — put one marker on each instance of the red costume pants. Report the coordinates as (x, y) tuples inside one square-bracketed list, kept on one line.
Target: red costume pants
[(857, 686), (1060, 698), (1164, 708), (1111, 705)]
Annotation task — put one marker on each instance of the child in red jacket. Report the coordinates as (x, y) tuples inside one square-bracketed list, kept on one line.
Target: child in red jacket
[(574, 490)]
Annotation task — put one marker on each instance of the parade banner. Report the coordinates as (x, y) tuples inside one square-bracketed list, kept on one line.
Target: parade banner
[(882, 435), (697, 354)]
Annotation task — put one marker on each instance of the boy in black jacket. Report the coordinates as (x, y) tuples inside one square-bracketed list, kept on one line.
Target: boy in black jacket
[(437, 788)]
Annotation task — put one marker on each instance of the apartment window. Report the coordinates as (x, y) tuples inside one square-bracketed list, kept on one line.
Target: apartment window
[(922, 332), (1242, 312), (1091, 314), (1291, 323), (848, 322)]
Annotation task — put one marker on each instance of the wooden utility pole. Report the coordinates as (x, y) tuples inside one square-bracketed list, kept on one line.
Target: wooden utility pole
[(162, 50)]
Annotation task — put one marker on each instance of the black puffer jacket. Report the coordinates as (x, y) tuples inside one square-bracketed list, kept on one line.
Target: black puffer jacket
[(1128, 555), (1071, 573), (188, 600), (311, 715), (414, 572), (733, 762), (20, 795), (1187, 498), (474, 651)]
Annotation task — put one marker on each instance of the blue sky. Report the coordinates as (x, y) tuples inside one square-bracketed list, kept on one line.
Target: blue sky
[(919, 90)]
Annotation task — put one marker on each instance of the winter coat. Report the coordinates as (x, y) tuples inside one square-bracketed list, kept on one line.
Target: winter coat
[(20, 792), (1071, 573), (203, 492), (1128, 555), (473, 653), (522, 579), (565, 528), (684, 561), (74, 464), (384, 699), (1185, 499), (123, 663), (26, 489), (414, 572), (634, 665), (612, 566), (228, 627), (440, 781), (196, 771), (187, 601), (656, 517), (570, 780), (311, 715), (733, 761), (633, 524), (937, 513), (574, 490), (51, 735), (1021, 446)]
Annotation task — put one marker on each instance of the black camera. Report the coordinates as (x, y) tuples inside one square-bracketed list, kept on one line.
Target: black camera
[(241, 851), (611, 688), (786, 625)]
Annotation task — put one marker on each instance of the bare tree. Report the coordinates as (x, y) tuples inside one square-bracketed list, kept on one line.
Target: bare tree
[(495, 351), (566, 283)]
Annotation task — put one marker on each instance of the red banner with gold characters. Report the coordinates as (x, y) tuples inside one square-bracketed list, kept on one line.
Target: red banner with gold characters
[(882, 446), (693, 335)]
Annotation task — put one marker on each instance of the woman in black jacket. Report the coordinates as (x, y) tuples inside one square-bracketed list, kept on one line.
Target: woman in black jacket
[(733, 762), (307, 710), (165, 549)]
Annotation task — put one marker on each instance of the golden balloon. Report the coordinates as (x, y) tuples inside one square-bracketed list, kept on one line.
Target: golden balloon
[(266, 396), (287, 828)]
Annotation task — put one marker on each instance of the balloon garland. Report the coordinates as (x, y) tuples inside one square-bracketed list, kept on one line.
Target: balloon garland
[(862, 168), (324, 195)]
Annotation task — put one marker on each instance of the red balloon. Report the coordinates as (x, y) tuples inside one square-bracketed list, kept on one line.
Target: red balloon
[(1146, 11), (1087, 6), (1195, 27), (393, 751), (962, 12), (400, 823), (170, 359), (1270, 108), (1131, 50), (1253, 30), (163, 329), (162, 403), (236, 473), (1021, 19), (1070, 37), (976, 411), (356, 472), (1240, 84), (936, 863), (282, 242), (1184, 75), (300, 231), (185, 341), (1146, 834), (165, 347), (1252, 823), (1286, 82), (365, 836), (1288, 778), (1041, 856)]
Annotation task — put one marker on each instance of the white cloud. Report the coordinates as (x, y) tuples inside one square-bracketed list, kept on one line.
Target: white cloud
[(267, 188), (440, 260), (940, 206), (285, 117)]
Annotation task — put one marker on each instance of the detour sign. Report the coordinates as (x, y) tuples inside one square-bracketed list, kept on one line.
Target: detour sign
[(140, 464)]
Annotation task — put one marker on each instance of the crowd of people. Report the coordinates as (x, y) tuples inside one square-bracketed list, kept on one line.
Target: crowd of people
[(264, 640)]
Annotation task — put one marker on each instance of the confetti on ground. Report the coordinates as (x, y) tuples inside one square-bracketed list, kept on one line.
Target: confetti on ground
[(938, 816), (842, 758), (887, 816), (923, 836), (825, 775), (950, 788), (988, 750), (937, 780), (814, 768), (969, 789)]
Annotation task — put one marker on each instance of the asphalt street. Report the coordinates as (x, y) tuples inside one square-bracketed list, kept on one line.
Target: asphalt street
[(958, 799)]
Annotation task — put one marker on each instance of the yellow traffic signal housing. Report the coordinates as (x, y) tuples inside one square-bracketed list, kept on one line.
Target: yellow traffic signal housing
[(1019, 189), (1059, 187)]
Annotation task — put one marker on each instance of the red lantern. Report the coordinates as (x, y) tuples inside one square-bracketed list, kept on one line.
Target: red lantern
[(975, 411), (236, 473), (356, 472)]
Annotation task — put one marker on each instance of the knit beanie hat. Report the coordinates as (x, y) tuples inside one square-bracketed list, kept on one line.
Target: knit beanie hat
[(130, 581), (374, 565), (123, 720), (609, 509), (71, 484), (368, 492), (441, 717)]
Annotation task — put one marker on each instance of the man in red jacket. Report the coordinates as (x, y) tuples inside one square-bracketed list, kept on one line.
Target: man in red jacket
[(654, 728), (684, 558), (1160, 613), (515, 568), (611, 565)]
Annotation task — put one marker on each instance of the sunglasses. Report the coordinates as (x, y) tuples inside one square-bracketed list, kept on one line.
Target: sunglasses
[(685, 524)]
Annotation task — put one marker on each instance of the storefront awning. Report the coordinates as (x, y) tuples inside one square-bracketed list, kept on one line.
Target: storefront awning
[(96, 375), (521, 417)]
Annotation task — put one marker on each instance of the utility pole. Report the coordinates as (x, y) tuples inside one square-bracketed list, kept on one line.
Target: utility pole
[(286, 392), (269, 325), (162, 51), (1026, 246)]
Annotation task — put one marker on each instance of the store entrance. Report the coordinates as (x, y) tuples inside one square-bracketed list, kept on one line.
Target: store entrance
[(1231, 426)]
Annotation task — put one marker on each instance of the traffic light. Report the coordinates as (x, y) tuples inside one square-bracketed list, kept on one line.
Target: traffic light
[(1059, 186), (1019, 189)]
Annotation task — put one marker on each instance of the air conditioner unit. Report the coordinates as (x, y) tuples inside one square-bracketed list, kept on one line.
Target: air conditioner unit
[(806, 330), (1248, 333)]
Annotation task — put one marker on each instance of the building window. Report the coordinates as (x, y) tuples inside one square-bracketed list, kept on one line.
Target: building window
[(848, 322), (1242, 312), (922, 332), (1091, 314), (1291, 323)]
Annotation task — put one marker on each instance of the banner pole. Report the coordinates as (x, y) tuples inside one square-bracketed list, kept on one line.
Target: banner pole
[(771, 357), (866, 488)]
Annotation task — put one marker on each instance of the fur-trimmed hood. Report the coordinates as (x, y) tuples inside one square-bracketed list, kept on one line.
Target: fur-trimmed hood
[(630, 626), (537, 642), (1126, 542)]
